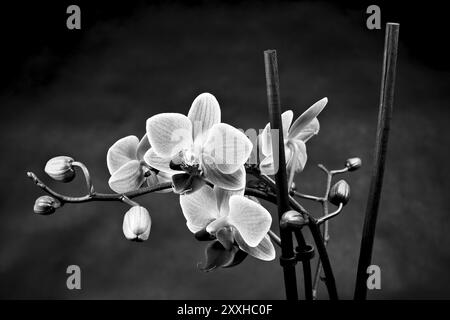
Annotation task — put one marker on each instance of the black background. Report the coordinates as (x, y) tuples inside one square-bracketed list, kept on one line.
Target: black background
[(76, 92)]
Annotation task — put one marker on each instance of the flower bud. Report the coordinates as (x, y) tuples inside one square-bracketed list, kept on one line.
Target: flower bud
[(137, 224), (46, 205), (339, 193), (60, 168), (353, 164), (292, 219)]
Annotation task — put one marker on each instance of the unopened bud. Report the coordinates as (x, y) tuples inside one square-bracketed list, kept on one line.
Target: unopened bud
[(339, 193), (293, 187), (46, 205), (60, 168), (137, 224), (292, 219), (353, 164)]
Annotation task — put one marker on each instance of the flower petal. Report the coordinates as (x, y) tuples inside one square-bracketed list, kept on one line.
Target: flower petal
[(309, 130), (298, 158), (233, 181), (225, 237), (267, 166), (263, 251), (302, 122), (143, 147), (121, 152), (265, 136), (228, 147), (199, 208), (286, 120), (204, 113), (129, 177), (217, 256), (250, 219), (184, 183), (223, 199), (156, 178), (266, 141), (169, 133), (159, 163)]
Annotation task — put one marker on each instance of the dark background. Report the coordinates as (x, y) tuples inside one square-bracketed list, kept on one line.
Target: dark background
[(77, 92)]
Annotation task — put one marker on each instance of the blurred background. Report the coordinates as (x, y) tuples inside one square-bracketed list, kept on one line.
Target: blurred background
[(75, 92)]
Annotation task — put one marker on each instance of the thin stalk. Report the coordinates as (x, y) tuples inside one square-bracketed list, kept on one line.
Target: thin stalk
[(321, 250), (384, 120), (87, 176)]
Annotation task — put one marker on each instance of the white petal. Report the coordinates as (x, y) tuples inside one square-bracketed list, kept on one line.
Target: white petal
[(204, 113), (302, 122), (250, 219), (228, 147), (143, 147), (223, 199), (158, 163), (286, 120), (309, 130), (266, 141), (129, 177), (169, 133), (233, 181), (121, 152), (199, 208), (267, 166), (265, 136), (263, 251), (298, 155)]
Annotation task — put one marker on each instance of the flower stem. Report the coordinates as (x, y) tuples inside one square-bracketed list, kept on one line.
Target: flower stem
[(87, 176)]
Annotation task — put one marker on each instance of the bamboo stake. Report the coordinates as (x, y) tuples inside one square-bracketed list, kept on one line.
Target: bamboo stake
[(384, 119), (273, 96)]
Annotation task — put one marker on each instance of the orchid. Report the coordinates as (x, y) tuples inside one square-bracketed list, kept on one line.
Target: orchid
[(295, 137), (198, 147), (127, 168), (206, 163), (231, 218)]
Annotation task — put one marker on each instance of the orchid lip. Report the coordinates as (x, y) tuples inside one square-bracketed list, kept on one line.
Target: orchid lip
[(186, 161)]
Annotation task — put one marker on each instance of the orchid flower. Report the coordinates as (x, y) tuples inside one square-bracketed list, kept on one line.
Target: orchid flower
[(231, 218), (127, 167), (198, 148), (295, 137)]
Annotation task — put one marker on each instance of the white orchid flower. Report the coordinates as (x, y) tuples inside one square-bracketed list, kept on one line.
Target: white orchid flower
[(295, 137), (231, 218), (127, 167), (198, 147)]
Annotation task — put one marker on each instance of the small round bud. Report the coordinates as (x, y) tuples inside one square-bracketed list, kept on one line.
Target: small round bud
[(353, 164), (339, 193), (293, 187), (137, 224), (292, 219), (46, 205), (60, 168)]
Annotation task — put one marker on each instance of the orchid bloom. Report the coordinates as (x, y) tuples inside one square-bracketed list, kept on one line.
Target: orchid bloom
[(198, 148), (231, 218), (295, 137), (127, 167)]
